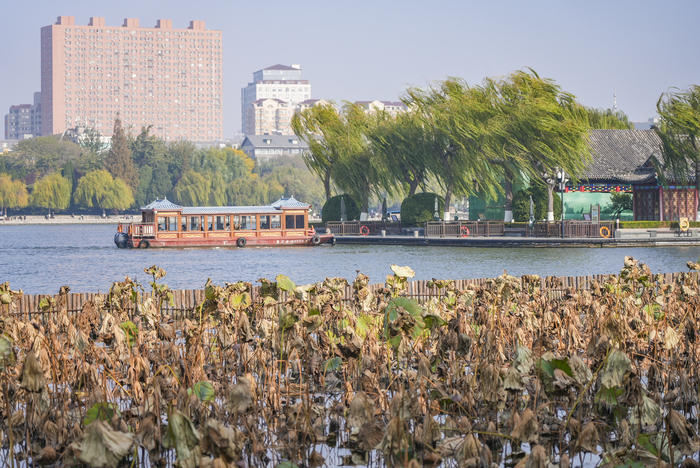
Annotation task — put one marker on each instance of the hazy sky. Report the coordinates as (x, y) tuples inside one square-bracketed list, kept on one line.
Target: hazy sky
[(366, 50)]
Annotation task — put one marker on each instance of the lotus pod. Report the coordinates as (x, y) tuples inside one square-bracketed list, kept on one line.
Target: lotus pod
[(101, 446), (526, 428), (32, 376), (589, 438), (361, 410)]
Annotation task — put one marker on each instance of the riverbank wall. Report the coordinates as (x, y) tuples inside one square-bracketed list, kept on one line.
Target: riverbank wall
[(63, 219), (186, 300)]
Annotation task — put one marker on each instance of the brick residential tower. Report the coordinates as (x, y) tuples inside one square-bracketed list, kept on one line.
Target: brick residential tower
[(166, 77)]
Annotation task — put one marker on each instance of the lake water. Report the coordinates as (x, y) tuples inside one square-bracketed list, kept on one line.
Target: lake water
[(40, 259)]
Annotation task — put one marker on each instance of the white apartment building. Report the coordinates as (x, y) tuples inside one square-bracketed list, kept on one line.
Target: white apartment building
[(392, 108), (278, 82)]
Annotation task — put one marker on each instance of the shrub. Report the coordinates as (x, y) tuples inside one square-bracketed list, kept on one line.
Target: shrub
[(420, 208), (521, 203), (654, 224), (331, 209)]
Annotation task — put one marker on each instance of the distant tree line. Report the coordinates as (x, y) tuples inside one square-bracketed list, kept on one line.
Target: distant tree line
[(52, 174)]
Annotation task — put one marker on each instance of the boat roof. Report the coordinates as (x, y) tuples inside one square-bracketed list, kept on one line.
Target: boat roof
[(163, 204)]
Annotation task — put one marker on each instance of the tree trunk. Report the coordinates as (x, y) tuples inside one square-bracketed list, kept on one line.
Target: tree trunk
[(448, 197), (508, 216), (327, 187), (550, 202)]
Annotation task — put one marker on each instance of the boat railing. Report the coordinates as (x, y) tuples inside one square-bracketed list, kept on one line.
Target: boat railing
[(138, 230)]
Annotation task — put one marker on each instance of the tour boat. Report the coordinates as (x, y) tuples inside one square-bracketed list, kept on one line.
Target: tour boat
[(166, 224)]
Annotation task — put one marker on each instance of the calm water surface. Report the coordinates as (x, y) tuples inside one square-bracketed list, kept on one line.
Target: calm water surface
[(40, 259)]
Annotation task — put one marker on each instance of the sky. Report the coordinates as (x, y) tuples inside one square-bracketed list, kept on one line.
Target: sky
[(366, 50)]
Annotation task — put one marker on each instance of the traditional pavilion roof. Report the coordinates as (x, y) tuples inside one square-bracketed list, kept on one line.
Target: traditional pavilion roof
[(161, 204), (289, 202), (273, 208), (623, 156)]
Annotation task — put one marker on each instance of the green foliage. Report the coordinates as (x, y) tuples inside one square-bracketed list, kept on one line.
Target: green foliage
[(98, 188), (621, 202), (90, 141), (204, 391), (13, 194), (131, 332), (118, 160), (42, 155), (331, 209), (521, 203), (654, 224), (192, 189), (100, 411), (420, 208), (52, 192)]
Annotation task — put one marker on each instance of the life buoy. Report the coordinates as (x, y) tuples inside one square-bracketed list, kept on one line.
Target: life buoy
[(464, 230), (144, 244), (241, 242), (316, 240), (605, 232), (364, 230), (684, 224), (119, 228)]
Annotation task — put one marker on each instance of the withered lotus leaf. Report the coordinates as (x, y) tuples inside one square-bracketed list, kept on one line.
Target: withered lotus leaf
[(589, 438), (101, 446), (526, 429), (361, 410), (240, 396), (182, 436), (32, 375)]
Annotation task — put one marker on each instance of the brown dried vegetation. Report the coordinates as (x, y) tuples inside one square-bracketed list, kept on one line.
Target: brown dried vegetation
[(461, 379)]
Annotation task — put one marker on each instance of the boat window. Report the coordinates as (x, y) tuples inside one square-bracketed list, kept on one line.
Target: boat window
[(162, 223), (210, 223), (172, 223), (194, 223), (228, 222), (289, 221), (276, 222), (243, 223), (300, 222), (201, 223), (264, 221), (220, 223), (183, 223)]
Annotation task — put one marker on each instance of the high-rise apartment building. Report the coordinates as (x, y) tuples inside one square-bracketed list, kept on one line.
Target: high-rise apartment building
[(24, 120), (280, 83), (170, 78)]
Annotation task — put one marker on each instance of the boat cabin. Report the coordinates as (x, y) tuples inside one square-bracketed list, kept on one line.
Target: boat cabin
[(164, 223)]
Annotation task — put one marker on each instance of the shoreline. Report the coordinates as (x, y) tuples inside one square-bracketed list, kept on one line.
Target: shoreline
[(62, 219)]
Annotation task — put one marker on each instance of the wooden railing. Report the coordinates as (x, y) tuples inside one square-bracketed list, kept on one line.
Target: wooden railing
[(138, 230), (185, 300), (572, 229), (353, 228), (464, 228)]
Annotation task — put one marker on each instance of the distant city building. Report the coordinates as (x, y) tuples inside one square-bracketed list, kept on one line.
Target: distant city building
[(24, 120), (281, 83), (647, 125), (166, 77), (269, 146), (7, 145), (392, 108)]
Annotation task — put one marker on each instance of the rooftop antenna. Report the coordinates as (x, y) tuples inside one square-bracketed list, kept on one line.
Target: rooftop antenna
[(615, 100)]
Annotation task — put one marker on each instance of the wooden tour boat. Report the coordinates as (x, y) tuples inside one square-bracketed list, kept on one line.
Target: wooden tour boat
[(166, 224)]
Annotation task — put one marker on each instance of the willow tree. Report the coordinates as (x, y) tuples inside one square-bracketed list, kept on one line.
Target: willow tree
[(193, 189), (404, 149), (328, 135), (455, 117), (359, 170), (535, 133), (97, 188), (51, 192), (679, 132), (13, 194)]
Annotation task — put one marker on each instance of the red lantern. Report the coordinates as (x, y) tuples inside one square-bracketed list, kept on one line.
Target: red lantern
[(617, 189), (566, 189)]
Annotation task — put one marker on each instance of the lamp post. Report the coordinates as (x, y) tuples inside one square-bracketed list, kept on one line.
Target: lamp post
[(561, 177)]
